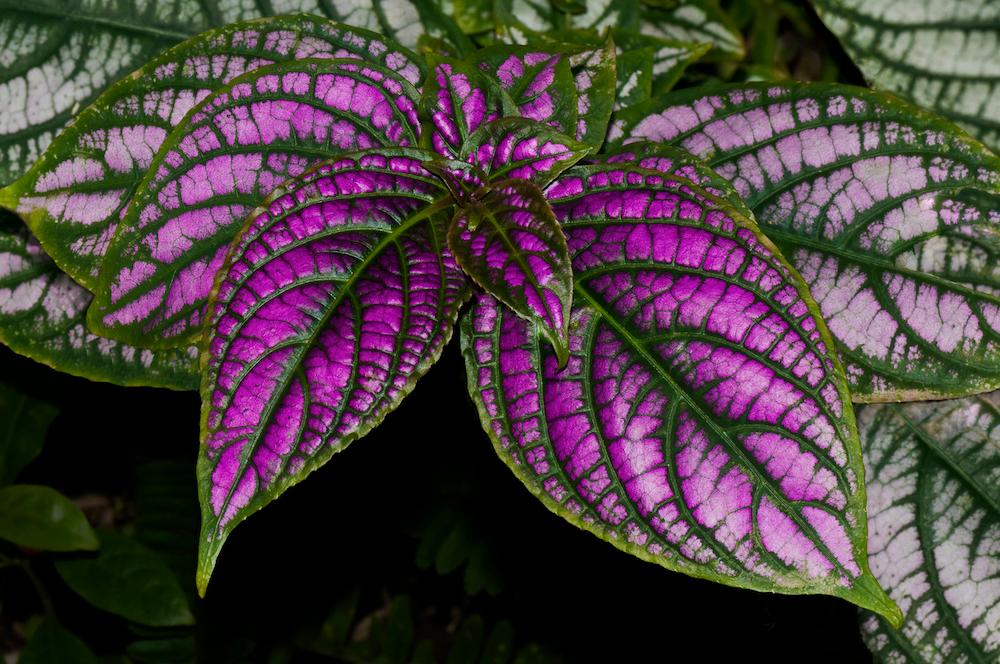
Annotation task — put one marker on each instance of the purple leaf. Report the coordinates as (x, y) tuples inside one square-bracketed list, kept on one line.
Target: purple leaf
[(236, 147), (457, 100), (75, 195), (336, 298), (702, 421), (510, 243), (889, 213), (520, 148)]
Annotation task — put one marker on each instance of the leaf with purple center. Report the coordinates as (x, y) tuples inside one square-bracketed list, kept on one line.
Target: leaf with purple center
[(890, 214), (522, 148), (934, 527), (702, 421), (236, 147), (509, 242), (43, 316), (75, 195), (334, 300)]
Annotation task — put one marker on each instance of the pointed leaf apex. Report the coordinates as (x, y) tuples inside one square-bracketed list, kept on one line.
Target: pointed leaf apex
[(868, 594), (208, 554), (8, 199)]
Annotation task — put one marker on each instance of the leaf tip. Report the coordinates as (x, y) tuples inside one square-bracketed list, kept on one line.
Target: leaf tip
[(208, 553), (868, 594), (8, 199)]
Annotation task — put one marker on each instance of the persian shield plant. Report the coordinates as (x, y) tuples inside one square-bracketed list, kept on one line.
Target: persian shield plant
[(666, 301)]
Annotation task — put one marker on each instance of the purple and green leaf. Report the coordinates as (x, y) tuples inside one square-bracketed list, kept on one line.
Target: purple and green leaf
[(75, 195), (521, 148), (509, 242), (890, 214), (43, 316), (335, 299), (934, 527), (236, 147), (702, 421)]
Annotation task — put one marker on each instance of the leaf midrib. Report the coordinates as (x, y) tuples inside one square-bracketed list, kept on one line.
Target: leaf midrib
[(161, 34)]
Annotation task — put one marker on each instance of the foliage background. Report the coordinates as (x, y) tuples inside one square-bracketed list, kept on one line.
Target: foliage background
[(414, 545)]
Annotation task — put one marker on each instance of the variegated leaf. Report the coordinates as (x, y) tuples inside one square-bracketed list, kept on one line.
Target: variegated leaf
[(43, 316), (521, 20), (942, 54), (702, 421), (336, 298), (520, 148), (59, 54), (934, 527), (236, 147), (510, 243), (890, 213), (695, 22)]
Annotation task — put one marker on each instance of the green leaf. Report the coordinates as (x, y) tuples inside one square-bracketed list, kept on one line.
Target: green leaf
[(634, 77), (468, 643), (129, 580), (890, 213), (695, 22), (76, 195), (934, 527), (941, 55), (43, 316), (64, 52), (521, 21), (39, 517), (510, 243), (51, 643), (670, 57), (23, 423)]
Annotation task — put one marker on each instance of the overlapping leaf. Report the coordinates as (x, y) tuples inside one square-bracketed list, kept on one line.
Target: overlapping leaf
[(337, 297), (60, 54), (510, 243), (942, 55), (695, 22), (520, 148), (890, 213), (43, 316), (702, 421), (75, 195), (236, 147), (934, 527), (520, 20)]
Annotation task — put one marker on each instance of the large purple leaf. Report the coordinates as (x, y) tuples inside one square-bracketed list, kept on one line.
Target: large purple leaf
[(702, 421), (338, 295), (43, 316), (510, 243), (75, 195), (890, 213), (235, 148), (522, 148)]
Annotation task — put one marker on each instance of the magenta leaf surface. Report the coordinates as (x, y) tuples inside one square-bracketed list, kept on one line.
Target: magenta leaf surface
[(510, 243), (457, 100), (702, 421), (891, 215), (521, 148), (335, 299), (235, 148), (75, 195)]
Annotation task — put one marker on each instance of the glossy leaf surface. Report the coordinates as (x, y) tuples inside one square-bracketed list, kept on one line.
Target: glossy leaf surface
[(941, 55), (702, 421), (42, 518), (43, 316), (889, 213), (129, 580), (236, 147), (77, 193), (22, 431), (336, 299), (934, 527), (510, 243)]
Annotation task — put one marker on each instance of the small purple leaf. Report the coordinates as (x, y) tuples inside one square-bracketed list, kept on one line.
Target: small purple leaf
[(461, 178), (75, 195), (539, 83), (510, 243), (236, 147), (522, 148), (457, 99), (334, 300), (702, 420)]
